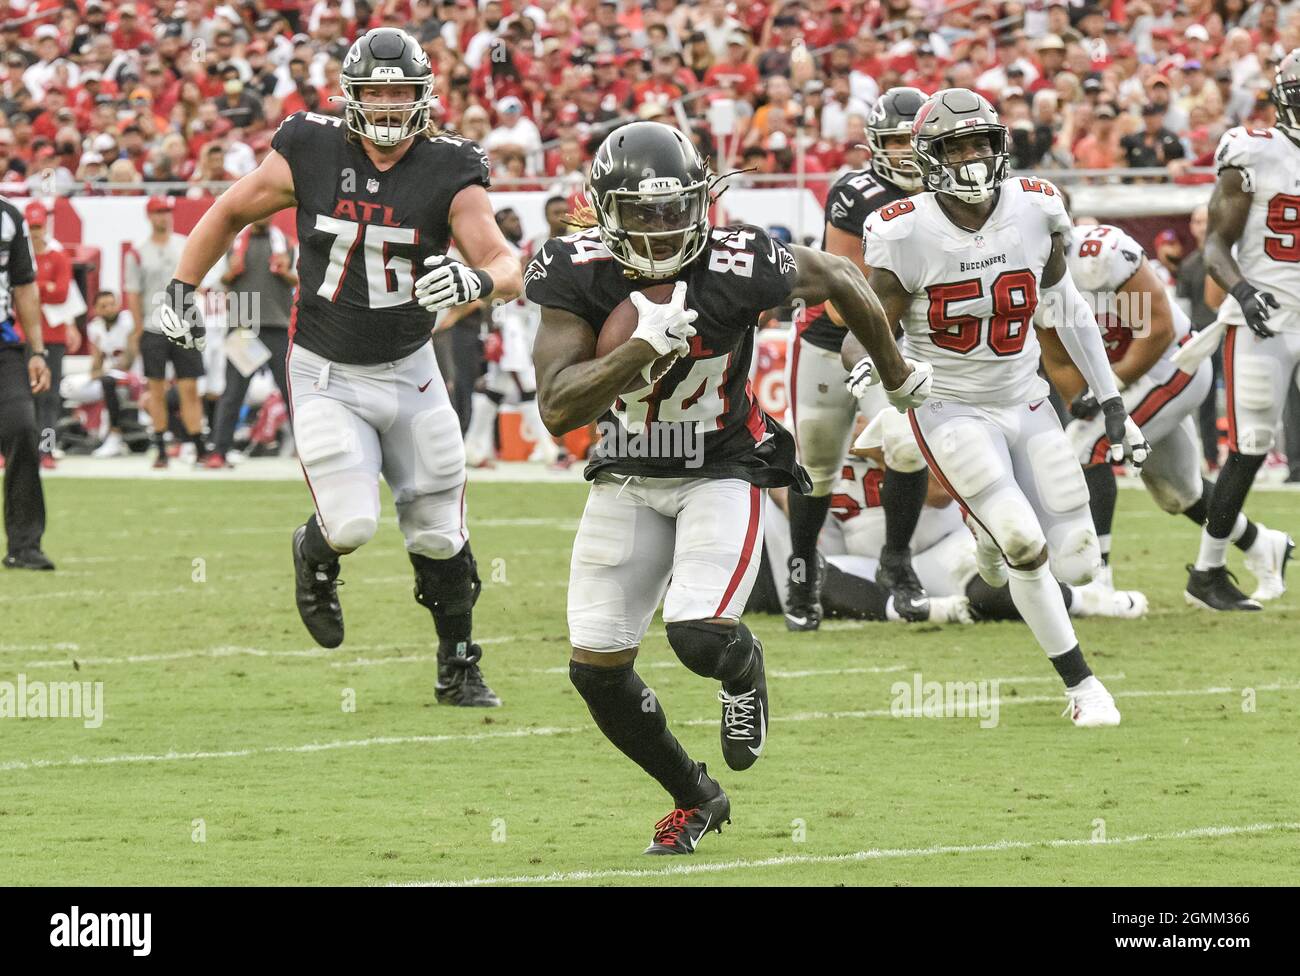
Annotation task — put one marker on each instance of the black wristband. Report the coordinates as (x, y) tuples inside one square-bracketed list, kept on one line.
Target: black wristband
[(485, 280)]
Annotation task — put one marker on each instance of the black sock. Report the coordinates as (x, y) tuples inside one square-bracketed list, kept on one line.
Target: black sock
[(902, 495), (1102, 495), (200, 447), (314, 546), (1199, 509), (1071, 666), (629, 715), (1247, 538), (846, 595), (158, 442), (807, 514), (1230, 492)]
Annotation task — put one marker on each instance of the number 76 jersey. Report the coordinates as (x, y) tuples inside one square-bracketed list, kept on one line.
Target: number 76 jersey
[(973, 292)]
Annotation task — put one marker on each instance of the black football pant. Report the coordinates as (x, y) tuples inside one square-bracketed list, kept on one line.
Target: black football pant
[(24, 501)]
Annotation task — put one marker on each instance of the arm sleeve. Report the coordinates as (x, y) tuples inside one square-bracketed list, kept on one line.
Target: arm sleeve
[(1068, 313)]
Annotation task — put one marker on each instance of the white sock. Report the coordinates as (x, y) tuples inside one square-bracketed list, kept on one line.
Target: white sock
[(1214, 552), (1037, 596), (1103, 543), (1238, 527)]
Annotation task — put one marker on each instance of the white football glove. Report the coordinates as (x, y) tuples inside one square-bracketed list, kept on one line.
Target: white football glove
[(179, 317), (914, 390), (666, 327), (450, 283), (861, 378), (1135, 442)]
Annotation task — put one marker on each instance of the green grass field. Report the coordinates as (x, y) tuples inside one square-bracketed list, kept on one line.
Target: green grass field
[(226, 755)]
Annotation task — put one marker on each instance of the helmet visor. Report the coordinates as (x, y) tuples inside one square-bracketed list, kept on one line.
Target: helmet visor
[(658, 227)]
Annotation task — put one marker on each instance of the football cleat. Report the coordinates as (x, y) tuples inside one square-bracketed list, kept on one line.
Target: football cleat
[(950, 610), (316, 593), (681, 830), (28, 559), (744, 717), (803, 607), (1098, 600), (895, 574), (1267, 561), (1216, 589), (460, 682), (161, 461), (1090, 705)]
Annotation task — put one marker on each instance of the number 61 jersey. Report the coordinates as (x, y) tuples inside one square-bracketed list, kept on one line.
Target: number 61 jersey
[(973, 292), (364, 235), (700, 419)]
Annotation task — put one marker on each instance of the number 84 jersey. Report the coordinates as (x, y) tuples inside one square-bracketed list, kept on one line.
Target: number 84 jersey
[(364, 235), (974, 293)]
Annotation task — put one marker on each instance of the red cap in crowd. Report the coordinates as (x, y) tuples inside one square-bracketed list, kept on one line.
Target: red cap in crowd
[(35, 214), (1166, 236), (159, 205)]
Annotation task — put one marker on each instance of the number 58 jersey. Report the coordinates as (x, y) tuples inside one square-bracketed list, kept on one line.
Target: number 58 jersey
[(364, 235), (974, 293)]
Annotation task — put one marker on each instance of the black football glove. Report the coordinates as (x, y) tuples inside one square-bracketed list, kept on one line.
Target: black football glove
[(179, 316), (1084, 406), (1256, 306), (1127, 442)]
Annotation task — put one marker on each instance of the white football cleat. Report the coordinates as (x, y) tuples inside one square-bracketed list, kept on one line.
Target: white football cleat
[(950, 610), (1093, 600), (1105, 578), (113, 446), (1267, 560), (989, 560), (1090, 705)]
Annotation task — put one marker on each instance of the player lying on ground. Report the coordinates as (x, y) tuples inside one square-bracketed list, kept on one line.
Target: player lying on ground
[(1252, 251), (821, 408), (1142, 330), (963, 267), (675, 508), (943, 556), (376, 198)]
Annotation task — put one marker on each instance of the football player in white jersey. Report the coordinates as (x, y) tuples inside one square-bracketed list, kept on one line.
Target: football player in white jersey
[(1252, 251), (963, 267), (1141, 329)]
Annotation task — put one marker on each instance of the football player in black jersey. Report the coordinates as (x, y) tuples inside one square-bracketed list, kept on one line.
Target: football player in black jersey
[(377, 197), (823, 409), (675, 509)]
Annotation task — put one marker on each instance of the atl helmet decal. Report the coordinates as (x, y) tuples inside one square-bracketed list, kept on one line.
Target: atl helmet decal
[(603, 163), (354, 54), (920, 116)]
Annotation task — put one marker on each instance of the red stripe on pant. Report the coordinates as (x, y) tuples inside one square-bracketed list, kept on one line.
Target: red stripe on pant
[(1229, 344), (1155, 401), (939, 475), (794, 392), (288, 379), (747, 552)]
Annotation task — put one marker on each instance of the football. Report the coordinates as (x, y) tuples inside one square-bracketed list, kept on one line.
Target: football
[(620, 325)]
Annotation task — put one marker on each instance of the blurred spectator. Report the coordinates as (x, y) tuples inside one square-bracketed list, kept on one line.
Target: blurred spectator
[(53, 280), (1153, 145), (515, 131)]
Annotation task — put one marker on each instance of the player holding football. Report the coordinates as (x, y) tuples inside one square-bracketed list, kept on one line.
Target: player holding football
[(823, 410), (685, 529), (376, 197), (963, 268), (1252, 251), (1142, 329)]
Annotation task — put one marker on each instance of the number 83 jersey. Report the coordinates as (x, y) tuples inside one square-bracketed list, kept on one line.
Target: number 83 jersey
[(364, 235), (973, 292)]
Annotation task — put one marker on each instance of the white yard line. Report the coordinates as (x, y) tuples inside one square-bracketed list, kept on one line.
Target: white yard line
[(874, 854), (19, 764)]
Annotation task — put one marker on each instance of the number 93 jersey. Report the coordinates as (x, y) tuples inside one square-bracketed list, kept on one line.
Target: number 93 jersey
[(364, 235), (1269, 249), (700, 419), (973, 292)]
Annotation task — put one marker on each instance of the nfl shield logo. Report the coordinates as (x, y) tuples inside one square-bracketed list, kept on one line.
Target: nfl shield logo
[(372, 186)]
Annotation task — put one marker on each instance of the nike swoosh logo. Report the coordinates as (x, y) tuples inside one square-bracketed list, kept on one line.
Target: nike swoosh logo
[(426, 384), (1035, 406), (546, 258), (695, 840), (800, 621), (762, 732), (772, 254)]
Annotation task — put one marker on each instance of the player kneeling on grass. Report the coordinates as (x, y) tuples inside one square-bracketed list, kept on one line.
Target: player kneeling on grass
[(675, 509), (376, 198), (1142, 330)]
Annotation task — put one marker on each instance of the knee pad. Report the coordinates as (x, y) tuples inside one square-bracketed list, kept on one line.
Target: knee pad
[(712, 650), (1062, 488), (902, 453), (1015, 527), (967, 457), (1076, 558), (352, 533), (447, 587), (1172, 498), (433, 524), (439, 450), (823, 442), (1253, 392), (324, 435)]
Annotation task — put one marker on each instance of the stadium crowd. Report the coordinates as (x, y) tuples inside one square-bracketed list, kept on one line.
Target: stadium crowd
[(191, 90)]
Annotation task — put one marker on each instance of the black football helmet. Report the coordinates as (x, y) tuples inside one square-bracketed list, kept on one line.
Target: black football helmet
[(1285, 94), (893, 114), (649, 188), (947, 118), (386, 56)]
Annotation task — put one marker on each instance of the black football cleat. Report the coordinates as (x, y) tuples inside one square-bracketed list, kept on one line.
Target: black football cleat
[(1216, 589), (460, 682), (744, 716), (803, 606), (316, 592), (681, 830), (895, 574), (28, 559)]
